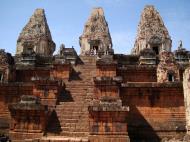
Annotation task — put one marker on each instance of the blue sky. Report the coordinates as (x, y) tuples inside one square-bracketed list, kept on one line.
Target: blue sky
[(66, 19)]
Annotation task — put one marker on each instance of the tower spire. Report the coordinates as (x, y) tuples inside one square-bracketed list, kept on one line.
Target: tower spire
[(152, 32), (36, 33), (96, 36)]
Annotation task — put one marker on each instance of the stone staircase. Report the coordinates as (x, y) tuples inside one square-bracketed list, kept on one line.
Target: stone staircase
[(72, 111)]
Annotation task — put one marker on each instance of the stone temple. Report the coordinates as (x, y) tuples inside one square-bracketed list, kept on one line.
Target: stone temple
[(97, 96)]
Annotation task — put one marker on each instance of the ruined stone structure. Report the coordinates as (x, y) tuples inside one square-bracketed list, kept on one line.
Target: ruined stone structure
[(152, 32), (28, 118), (35, 36), (168, 69), (96, 37), (97, 96)]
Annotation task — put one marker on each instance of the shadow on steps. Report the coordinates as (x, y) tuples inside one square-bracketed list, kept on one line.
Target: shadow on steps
[(75, 75), (65, 96), (53, 125)]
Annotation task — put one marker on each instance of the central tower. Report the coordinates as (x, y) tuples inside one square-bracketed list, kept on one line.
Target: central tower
[(96, 37)]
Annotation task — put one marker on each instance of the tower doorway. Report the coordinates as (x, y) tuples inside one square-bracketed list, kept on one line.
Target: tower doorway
[(1, 77), (170, 77), (95, 48), (156, 50)]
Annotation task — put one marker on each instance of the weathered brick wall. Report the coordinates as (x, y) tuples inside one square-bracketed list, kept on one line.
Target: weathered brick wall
[(61, 71), (8, 94), (26, 75), (47, 91), (108, 91), (12, 92), (58, 72), (108, 126), (137, 75), (108, 123), (106, 71), (154, 112), (141, 73)]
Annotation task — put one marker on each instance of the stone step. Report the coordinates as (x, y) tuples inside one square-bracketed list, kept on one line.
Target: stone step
[(74, 134), (87, 66), (63, 139), (73, 115), (75, 82), (71, 110), (70, 104), (66, 105), (68, 120), (76, 116)]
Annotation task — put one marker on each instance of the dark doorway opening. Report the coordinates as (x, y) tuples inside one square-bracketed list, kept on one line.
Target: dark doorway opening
[(95, 48), (1, 77), (155, 49), (170, 77)]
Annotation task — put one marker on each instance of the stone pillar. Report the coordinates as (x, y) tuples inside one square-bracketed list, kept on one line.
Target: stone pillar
[(186, 88), (107, 122), (28, 119), (107, 116)]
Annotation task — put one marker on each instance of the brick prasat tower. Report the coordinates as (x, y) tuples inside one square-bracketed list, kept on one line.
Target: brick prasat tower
[(36, 36), (152, 33), (97, 96), (96, 37)]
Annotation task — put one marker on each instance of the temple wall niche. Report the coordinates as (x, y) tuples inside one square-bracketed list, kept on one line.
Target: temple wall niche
[(138, 74), (154, 112), (167, 69)]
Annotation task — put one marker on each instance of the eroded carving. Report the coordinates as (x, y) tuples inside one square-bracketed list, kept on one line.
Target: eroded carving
[(168, 69), (151, 32), (96, 36), (36, 32)]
